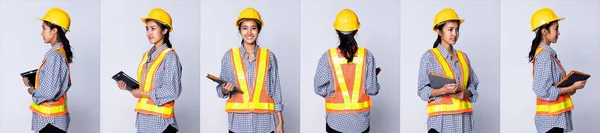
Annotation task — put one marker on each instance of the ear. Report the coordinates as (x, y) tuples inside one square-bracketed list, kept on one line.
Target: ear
[(439, 32), (164, 32), (54, 31), (544, 31)]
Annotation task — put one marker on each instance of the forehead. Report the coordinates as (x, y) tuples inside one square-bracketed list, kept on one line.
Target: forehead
[(248, 22), (451, 24), (150, 23)]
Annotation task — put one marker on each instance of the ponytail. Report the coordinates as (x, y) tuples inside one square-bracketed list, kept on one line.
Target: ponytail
[(63, 39), (348, 45), (538, 39)]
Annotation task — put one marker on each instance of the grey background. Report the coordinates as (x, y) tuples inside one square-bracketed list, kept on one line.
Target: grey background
[(280, 34), (123, 44), (379, 33), (479, 39), (576, 48), (23, 49)]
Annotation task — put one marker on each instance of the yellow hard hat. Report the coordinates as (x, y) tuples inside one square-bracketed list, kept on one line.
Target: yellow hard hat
[(543, 16), (249, 13), (346, 20), (58, 17), (445, 15), (161, 16)]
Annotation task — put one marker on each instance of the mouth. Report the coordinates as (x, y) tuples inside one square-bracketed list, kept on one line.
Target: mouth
[(249, 38), (150, 38)]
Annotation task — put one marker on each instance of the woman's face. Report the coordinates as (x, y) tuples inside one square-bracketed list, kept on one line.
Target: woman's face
[(450, 32), (154, 32), (249, 31), (48, 34), (552, 33)]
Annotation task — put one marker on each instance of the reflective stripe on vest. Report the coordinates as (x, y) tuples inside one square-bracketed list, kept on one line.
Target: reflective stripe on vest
[(260, 102), (348, 75), (448, 104), (146, 105), (51, 109), (553, 108)]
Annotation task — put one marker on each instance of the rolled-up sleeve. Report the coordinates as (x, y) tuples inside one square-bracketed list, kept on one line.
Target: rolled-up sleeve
[(274, 84), (473, 82), (543, 84), (371, 84), (323, 84), (52, 75), (170, 87), (425, 89)]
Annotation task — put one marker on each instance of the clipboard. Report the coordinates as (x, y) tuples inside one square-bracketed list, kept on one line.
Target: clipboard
[(438, 81), (30, 75), (130, 83), (221, 82), (377, 70), (572, 77)]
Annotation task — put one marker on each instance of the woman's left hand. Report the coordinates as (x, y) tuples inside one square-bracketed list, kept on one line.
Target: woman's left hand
[(30, 90), (279, 128), (137, 93)]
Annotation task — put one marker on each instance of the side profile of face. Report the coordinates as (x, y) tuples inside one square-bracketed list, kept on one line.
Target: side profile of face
[(154, 32), (450, 32), (48, 34), (551, 34), (249, 31)]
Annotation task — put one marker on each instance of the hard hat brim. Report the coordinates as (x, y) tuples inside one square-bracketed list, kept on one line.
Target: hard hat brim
[(558, 19), (460, 21), (262, 24), (161, 22), (42, 19)]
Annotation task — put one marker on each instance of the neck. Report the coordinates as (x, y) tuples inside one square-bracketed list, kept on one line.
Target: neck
[(158, 44), (447, 47), (546, 42), (53, 43), (249, 47)]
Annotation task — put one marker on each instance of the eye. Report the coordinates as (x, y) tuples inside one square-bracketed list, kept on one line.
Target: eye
[(254, 28), (244, 28)]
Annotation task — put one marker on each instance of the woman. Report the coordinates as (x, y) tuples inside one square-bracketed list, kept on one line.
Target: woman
[(159, 75), (49, 94), (547, 72), (338, 79), (448, 107), (253, 71)]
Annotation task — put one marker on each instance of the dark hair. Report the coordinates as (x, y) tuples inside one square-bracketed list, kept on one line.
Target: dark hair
[(63, 39), (258, 26), (163, 27), (439, 27), (348, 45), (538, 39)]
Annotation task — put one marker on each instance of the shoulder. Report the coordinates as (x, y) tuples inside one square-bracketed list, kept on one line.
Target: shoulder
[(55, 55)]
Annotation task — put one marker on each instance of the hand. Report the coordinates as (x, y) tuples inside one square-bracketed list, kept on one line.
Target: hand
[(279, 128), (121, 85), (462, 94), (137, 93), (26, 82), (226, 88), (579, 84), (450, 88), (573, 92), (30, 90)]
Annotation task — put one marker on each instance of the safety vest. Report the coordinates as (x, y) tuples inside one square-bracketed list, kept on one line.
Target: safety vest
[(146, 105), (448, 104), (51, 109), (260, 101), (553, 108), (349, 81)]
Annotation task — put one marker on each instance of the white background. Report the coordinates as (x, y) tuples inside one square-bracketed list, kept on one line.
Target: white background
[(124, 42), (23, 49), (479, 39), (281, 34), (379, 33), (576, 48)]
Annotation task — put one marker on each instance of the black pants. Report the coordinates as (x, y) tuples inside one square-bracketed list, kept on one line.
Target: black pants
[(51, 129), (331, 130), (432, 131), (556, 130), (170, 129), (233, 132)]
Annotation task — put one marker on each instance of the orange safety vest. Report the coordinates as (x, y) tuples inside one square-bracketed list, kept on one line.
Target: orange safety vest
[(51, 109), (553, 108), (260, 101), (348, 75), (448, 104), (146, 105)]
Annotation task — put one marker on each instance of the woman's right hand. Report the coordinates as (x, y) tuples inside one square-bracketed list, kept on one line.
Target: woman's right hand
[(121, 85), (579, 85), (450, 88), (226, 88), (26, 82)]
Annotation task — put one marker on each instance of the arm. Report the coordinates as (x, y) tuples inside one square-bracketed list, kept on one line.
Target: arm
[(275, 88), (170, 86), (425, 92), (543, 84), (52, 77), (323, 82), (473, 83), (226, 74), (371, 84)]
